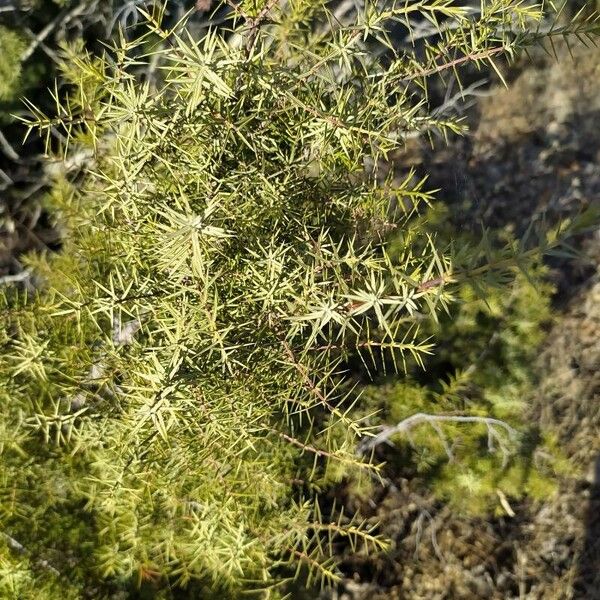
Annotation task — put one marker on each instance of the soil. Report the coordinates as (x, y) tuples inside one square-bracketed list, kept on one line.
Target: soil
[(533, 153)]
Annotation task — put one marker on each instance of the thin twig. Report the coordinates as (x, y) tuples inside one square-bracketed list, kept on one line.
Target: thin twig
[(309, 383), (6, 179), (404, 426), (62, 18), (16, 278), (307, 447), (436, 548), (8, 150), (473, 57)]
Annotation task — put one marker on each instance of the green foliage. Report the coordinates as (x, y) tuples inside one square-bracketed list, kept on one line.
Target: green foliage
[(19, 578), (11, 48), (176, 390), (486, 344), (483, 358)]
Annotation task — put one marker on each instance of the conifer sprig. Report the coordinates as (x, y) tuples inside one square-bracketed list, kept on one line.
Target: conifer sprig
[(180, 377)]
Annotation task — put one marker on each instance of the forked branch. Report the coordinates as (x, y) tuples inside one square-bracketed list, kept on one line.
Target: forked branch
[(404, 426)]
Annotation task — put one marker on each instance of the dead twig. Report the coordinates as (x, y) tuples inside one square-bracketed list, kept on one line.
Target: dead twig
[(407, 424), (16, 278), (7, 149), (62, 18)]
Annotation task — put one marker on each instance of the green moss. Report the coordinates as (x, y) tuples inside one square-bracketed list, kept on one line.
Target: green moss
[(12, 46)]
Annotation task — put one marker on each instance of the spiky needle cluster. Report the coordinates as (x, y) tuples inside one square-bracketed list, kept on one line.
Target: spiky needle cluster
[(173, 392)]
